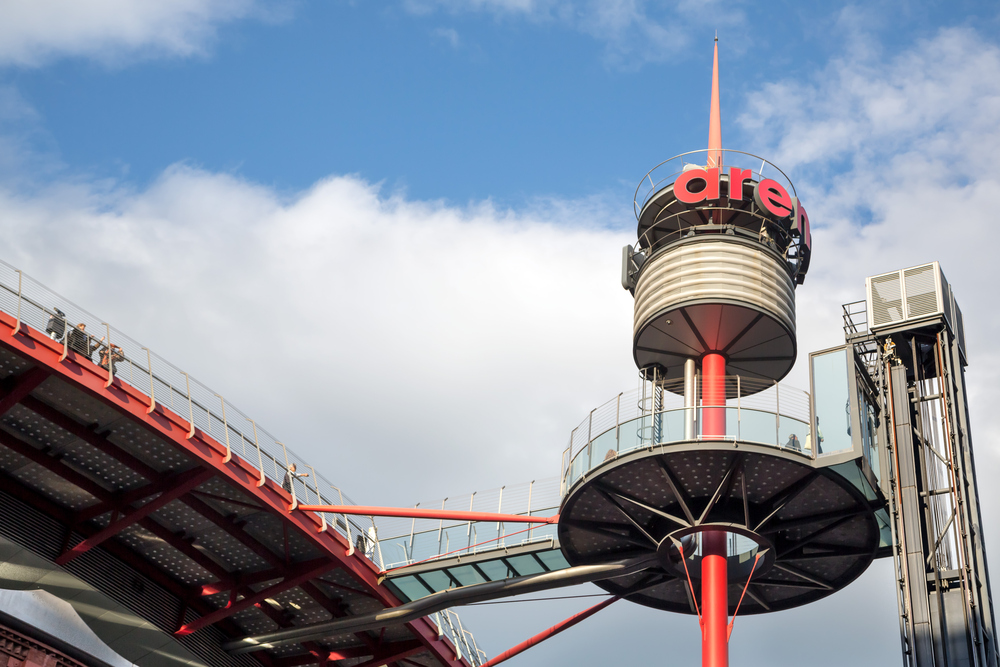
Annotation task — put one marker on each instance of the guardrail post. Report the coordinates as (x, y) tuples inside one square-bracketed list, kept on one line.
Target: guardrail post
[(441, 525), (468, 529), (777, 415), (187, 379), (17, 327), (225, 425), (152, 386), (500, 511), (618, 422), (291, 478), (530, 486), (65, 339), (260, 455), (110, 357), (347, 525), (413, 526), (319, 500), (739, 402)]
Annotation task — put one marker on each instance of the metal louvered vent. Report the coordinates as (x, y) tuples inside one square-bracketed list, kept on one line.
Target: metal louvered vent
[(885, 299), (916, 293), (920, 290)]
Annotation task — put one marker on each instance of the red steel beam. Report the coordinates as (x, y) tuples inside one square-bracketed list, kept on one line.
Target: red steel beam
[(193, 478), (714, 600), (551, 632), (86, 376), (240, 605), (420, 513), (123, 501)]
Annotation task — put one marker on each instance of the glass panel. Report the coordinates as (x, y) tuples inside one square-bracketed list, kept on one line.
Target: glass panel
[(831, 401), (525, 564), (630, 435), (554, 560), (577, 468), (603, 448), (758, 426), (466, 575), (792, 434), (672, 426), (439, 581), (410, 587), (496, 570)]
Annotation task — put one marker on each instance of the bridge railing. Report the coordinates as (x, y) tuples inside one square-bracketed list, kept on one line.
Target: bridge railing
[(129, 361)]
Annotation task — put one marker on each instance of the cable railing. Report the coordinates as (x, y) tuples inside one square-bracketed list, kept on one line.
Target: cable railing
[(450, 625), (756, 411), (409, 541), (665, 173), (167, 386)]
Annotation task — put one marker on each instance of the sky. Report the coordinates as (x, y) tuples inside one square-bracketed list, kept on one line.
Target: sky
[(391, 231)]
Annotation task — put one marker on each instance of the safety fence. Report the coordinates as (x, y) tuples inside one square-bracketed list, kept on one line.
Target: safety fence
[(408, 541), (758, 411), (166, 385)]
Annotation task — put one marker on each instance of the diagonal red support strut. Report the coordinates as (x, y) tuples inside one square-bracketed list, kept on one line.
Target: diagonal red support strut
[(271, 591), (551, 632), (193, 478), (420, 513), (25, 384)]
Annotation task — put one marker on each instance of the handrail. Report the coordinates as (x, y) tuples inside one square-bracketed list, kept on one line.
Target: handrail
[(128, 361)]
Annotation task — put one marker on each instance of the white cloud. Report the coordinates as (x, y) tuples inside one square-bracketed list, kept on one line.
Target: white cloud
[(634, 32), (34, 32)]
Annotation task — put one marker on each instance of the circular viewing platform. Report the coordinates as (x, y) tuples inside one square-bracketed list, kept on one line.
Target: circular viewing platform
[(757, 412)]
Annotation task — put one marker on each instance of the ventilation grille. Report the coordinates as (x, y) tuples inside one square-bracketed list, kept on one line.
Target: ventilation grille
[(886, 299), (921, 291), (909, 294)]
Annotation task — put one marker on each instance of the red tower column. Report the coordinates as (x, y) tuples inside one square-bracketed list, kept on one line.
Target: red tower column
[(714, 600), (713, 393)]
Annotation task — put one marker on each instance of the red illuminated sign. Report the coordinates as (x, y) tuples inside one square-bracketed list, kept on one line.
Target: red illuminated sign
[(696, 185)]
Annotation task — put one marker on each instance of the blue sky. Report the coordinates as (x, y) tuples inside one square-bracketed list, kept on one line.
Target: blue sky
[(391, 231)]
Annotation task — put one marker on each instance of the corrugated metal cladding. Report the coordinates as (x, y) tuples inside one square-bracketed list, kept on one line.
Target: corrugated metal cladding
[(714, 271)]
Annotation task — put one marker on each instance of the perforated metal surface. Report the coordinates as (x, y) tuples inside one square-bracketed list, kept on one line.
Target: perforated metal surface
[(819, 526)]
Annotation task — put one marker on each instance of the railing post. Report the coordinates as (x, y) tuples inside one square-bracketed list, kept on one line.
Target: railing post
[(500, 511), (187, 379), (777, 415), (260, 455), (441, 525), (618, 423), (739, 415), (291, 479), (413, 526), (65, 339), (347, 525), (319, 500), (17, 327), (110, 357), (152, 385), (225, 426), (468, 529), (530, 486)]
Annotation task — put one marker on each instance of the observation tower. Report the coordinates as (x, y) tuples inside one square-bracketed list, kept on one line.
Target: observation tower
[(735, 505), (182, 532)]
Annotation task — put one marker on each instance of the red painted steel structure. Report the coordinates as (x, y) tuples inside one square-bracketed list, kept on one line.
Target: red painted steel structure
[(714, 577), (551, 632), (714, 600), (211, 456)]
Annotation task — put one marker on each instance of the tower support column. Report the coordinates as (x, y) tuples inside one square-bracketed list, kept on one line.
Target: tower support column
[(713, 395), (690, 400), (714, 600)]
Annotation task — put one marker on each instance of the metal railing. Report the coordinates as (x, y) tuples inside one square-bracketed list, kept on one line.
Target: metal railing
[(167, 386), (757, 411), (450, 625), (665, 173), (408, 541)]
